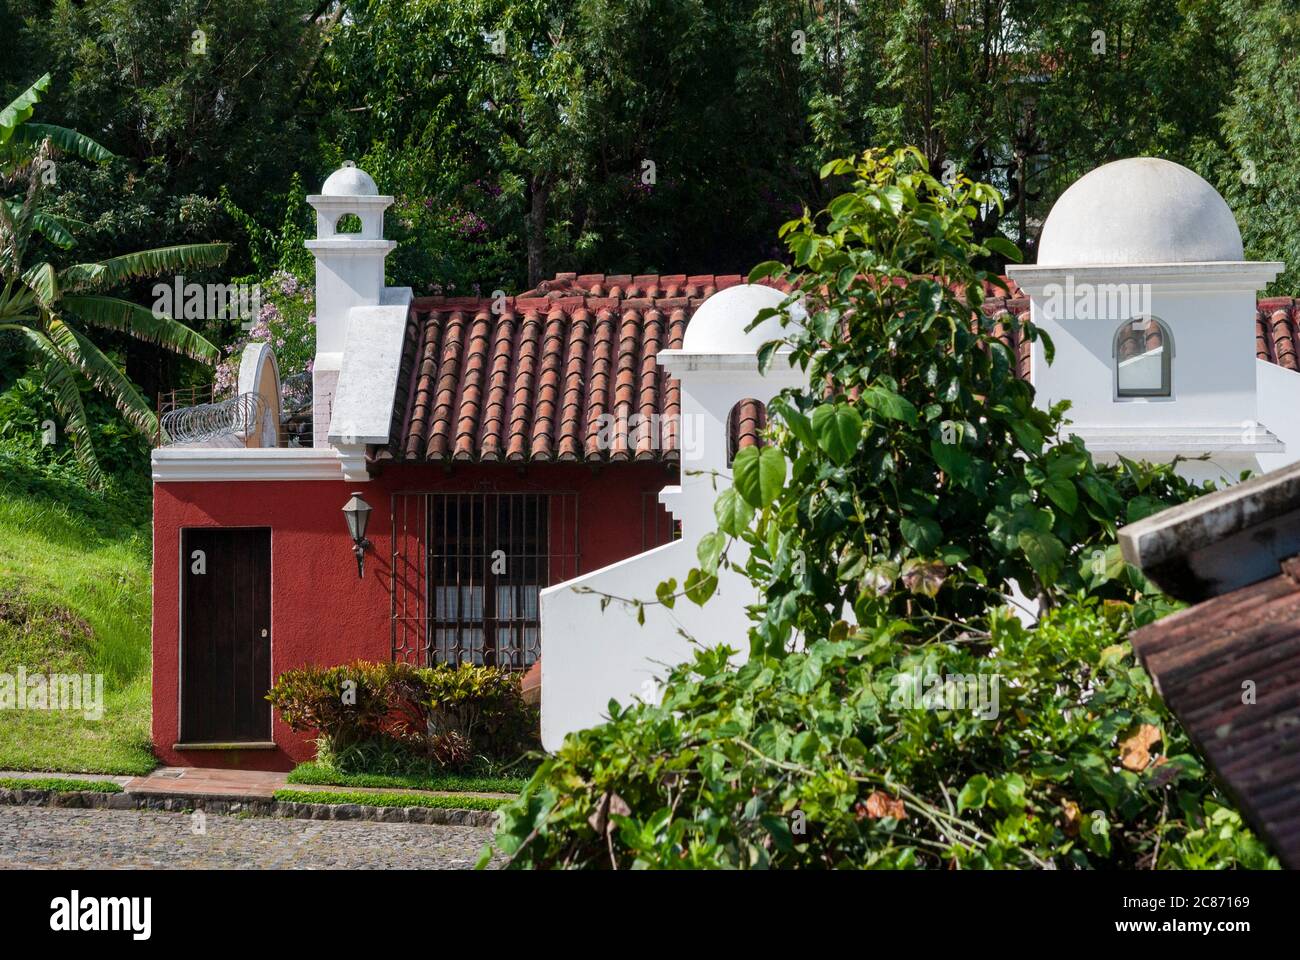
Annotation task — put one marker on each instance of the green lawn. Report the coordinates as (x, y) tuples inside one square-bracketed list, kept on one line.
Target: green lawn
[(317, 774), (462, 802), (74, 598), (59, 785)]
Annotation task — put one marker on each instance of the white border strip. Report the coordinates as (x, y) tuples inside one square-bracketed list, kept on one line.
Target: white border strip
[(175, 464)]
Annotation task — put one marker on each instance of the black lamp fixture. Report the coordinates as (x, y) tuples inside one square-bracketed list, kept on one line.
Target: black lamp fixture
[(357, 513)]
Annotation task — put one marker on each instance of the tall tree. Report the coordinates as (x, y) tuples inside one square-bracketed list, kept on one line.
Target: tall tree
[(1258, 167)]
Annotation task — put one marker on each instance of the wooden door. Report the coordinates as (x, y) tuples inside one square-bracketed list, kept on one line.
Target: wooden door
[(225, 635)]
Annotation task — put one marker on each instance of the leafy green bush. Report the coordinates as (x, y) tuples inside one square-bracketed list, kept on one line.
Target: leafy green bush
[(381, 717), (347, 704), (835, 758), (482, 704), (27, 408)]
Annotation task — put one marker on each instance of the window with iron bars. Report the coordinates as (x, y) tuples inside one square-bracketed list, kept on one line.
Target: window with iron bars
[(468, 569)]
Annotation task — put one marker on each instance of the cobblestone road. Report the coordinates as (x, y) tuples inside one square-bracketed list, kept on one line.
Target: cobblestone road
[(53, 837)]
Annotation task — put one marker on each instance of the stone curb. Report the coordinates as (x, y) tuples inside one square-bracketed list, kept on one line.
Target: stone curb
[(289, 809)]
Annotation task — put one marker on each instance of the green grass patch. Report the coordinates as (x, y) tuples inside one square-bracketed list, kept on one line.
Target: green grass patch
[(391, 799), (59, 784), (75, 598), (319, 774)]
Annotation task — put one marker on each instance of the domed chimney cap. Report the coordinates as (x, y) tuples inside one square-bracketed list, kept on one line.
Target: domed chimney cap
[(349, 180)]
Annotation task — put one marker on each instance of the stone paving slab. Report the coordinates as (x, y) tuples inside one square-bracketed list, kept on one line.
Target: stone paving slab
[(51, 837), (207, 782)]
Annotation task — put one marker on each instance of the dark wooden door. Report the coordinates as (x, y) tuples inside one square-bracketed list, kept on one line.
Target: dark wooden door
[(225, 635)]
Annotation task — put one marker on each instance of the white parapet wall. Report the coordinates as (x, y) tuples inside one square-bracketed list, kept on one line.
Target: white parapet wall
[(591, 656)]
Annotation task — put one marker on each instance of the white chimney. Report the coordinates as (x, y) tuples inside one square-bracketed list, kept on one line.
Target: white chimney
[(349, 273)]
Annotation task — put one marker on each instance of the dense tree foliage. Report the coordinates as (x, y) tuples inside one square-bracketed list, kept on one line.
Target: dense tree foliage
[(527, 136), (1258, 166)]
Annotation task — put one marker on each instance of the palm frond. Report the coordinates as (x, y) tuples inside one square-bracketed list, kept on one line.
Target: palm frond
[(103, 373), (10, 254), (150, 263), (16, 307), (141, 322), (43, 282), (81, 276), (69, 141), (21, 107), (53, 228), (61, 380), (21, 224)]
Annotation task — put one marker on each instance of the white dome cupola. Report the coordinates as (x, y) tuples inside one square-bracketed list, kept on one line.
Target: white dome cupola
[(1143, 210), (718, 326), (349, 180), (717, 367), (1142, 288)]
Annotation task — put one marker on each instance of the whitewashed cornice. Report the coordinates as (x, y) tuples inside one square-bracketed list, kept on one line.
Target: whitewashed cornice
[(1213, 277), (1148, 441), (217, 464)]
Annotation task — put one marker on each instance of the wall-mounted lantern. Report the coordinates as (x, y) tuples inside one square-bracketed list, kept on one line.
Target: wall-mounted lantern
[(357, 513)]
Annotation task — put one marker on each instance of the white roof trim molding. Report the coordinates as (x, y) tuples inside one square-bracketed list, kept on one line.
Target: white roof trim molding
[(1178, 441), (180, 464), (1212, 277)]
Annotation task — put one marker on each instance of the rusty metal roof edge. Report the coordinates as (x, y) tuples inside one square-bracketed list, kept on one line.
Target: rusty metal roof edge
[(1162, 537)]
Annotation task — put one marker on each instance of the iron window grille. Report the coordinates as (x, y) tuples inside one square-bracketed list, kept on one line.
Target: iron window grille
[(468, 569)]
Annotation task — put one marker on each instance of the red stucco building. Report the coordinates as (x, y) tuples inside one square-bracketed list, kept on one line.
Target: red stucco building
[(502, 445)]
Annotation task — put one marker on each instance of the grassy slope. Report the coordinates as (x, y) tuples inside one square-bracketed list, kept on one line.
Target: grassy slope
[(74, 597)]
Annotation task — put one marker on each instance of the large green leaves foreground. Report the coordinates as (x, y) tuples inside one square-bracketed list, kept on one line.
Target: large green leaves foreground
[(898, 502), (839, 757)]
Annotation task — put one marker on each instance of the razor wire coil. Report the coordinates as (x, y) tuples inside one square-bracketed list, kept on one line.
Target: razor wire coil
[(241, 414)]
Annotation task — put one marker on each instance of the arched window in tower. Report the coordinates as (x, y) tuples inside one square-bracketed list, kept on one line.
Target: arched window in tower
[(745, 427), (1144, 353)]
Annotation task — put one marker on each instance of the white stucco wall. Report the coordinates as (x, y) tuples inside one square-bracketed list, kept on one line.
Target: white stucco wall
[(590, 657), (1213, 364), (1279, 402)]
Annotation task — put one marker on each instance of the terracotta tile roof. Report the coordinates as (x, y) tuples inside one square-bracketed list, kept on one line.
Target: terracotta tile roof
[(1277, 339), (745, 428), (1139, 338), (566, 372)]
